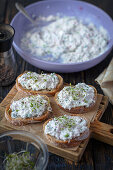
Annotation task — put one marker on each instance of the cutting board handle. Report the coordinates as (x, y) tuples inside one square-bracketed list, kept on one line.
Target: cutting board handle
[(102, 132)]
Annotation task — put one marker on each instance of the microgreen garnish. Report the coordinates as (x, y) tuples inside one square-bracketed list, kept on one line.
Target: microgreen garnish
[(74, 98), (85, 101), (19, 161), (67, 135), (8, 110), (31, 105)]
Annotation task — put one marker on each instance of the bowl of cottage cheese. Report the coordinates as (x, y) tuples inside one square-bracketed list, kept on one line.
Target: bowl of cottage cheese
[(77, 35)]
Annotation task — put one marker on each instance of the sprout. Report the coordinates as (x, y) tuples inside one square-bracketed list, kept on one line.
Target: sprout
[(19, 161), (67, 135)]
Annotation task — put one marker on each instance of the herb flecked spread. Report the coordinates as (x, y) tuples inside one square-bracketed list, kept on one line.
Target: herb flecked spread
[(66, 127), (68, 39), (32, 106), (74, 96), (34, 81)]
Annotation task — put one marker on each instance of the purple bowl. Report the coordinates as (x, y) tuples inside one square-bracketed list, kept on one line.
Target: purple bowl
[(82, 10)]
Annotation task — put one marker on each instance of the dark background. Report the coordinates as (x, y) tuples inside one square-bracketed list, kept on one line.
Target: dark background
[(98, 156)]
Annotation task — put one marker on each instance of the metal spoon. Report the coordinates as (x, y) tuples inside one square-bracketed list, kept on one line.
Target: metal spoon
[(24, 12), (38, 23)]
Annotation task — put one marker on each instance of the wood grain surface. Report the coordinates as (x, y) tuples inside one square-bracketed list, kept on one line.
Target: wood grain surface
[(97, 156), (73, 154)]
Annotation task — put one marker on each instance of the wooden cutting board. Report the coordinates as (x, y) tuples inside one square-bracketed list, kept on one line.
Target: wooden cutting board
[(98, 130)]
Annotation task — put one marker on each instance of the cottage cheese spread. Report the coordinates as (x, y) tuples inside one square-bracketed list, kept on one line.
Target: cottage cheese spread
[(32, 106), (67, 39), (34, 81), (74, 96), (66, 127)]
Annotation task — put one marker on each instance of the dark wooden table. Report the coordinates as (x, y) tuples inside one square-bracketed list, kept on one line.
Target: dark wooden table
[(98, 156)]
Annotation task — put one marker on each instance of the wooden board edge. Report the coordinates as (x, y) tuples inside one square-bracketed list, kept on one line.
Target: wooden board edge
[(103, 105), (102, 132)]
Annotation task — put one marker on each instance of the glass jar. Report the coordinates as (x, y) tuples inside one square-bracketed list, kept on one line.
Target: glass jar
[(7, 61), (20, 141)]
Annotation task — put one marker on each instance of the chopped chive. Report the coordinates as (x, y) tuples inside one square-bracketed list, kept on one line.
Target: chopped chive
[(31, 105), (67, 135), (8, 110)]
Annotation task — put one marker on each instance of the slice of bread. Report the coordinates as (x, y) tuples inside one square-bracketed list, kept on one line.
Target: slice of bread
[(23, 121), (45, 92), (68, 143), (78, 109)]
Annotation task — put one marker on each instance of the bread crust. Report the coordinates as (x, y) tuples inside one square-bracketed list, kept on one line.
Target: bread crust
[(68, 143), (21, 121), (79, 109), (45, 92)]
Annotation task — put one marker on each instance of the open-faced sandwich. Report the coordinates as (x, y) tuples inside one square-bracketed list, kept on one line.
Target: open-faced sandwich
[(31, 109), (76, 99), (34, 83), (66, 131)]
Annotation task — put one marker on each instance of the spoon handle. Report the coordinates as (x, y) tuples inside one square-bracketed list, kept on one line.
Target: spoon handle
[(24, 12)]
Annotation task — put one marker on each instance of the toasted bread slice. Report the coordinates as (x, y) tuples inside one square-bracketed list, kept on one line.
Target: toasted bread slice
[(23, 121), (45, 92), (68, 143), (79, 109)]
